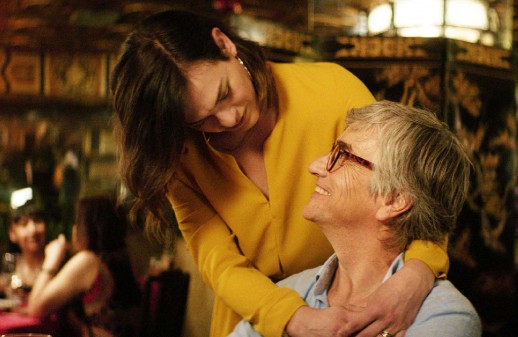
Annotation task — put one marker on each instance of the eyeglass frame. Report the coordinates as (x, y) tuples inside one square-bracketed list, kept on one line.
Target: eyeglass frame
[(341, 150)]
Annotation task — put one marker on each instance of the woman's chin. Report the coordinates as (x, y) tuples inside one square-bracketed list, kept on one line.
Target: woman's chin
[(227, 148), (225, 142)]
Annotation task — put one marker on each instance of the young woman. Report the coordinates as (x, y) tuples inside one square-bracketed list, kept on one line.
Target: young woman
[(95, 288), (206, 124), (28, 232)]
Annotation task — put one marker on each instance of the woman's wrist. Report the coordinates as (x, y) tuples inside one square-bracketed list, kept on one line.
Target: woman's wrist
[(296, 322), (421, 273), (49, 271), (432, 254)]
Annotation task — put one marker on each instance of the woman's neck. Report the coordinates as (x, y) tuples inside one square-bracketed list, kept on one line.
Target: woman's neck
[(33, 260), (250, 156), (29, 268), (363, 263), (259, 134)]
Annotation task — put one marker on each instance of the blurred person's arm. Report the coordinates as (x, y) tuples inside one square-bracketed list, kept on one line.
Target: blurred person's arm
[(54, 287)]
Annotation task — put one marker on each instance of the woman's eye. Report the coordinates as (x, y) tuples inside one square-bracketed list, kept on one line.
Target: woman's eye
[(227, 93), (197, 125)]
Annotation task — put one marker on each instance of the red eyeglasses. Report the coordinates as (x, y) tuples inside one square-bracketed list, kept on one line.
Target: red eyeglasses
[(341, 150)]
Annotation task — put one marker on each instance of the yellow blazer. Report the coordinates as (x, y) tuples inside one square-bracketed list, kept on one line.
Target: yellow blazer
[(242, 241)]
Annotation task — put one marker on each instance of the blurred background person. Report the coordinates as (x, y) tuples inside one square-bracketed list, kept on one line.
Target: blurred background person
[(40, 167), (26, 251), (95, 290), (27, 231), (67, 179)]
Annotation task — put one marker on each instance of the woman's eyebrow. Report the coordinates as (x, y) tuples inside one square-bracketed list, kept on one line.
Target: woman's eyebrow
[(221, 94), (347, 146), (196, 123)]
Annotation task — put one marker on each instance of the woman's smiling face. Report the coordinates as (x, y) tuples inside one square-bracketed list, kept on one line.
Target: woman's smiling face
[(29, 233), (344, 193), (221, 101)]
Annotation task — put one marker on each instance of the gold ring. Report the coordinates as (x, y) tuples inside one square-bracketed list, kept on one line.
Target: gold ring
[(385, 333)]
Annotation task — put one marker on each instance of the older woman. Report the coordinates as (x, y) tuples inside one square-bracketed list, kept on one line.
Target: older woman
[(396, 174)]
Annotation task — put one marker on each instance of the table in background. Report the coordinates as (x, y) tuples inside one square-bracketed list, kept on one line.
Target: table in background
[(17, 322)]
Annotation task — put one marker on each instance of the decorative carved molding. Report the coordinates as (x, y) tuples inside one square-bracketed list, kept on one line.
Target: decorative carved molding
[(382, 47), (483, 55), (79, 76), (414, 48), (23, 73), (272, 35), (3, 63)]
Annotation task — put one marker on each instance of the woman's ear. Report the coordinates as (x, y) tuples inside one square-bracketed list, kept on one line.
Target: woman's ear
[(393, 206), (224, 43)]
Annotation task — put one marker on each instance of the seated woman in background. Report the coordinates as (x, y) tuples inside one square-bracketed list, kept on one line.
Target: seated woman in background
[(95, 290), (28, 232)]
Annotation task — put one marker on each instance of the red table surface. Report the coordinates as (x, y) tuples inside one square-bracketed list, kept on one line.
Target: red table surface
[(16, 322)]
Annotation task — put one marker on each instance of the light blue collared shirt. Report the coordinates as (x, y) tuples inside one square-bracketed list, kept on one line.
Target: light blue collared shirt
[(444, 313)]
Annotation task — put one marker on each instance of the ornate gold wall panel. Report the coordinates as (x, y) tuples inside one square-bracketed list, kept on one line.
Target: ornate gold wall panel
[(79, 77)]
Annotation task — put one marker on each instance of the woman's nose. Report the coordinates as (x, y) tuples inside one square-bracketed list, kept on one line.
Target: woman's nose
[(319, 166), (227, 117), (31, 226)]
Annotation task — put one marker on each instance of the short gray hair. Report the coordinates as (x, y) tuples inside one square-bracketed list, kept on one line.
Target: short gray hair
[(421, 157)]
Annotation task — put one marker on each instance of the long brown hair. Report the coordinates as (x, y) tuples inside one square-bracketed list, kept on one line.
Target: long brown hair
[(102, 226), (148, 87)]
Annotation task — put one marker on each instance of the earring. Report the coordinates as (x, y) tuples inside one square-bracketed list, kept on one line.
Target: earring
[(243, 64), (207, 139)]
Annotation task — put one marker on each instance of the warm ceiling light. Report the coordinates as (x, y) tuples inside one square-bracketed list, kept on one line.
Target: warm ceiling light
[(468, 20), (380, 19), (457, 14), (413, 13), (20, 197)]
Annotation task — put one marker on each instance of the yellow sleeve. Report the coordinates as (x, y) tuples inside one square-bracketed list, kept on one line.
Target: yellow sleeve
[(431, 254), (230, 275)]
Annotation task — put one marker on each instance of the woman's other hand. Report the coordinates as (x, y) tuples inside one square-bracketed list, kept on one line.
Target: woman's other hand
[(55, 253), (392, 308), (311, 322)]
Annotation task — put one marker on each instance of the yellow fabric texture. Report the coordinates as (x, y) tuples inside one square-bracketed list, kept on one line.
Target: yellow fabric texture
[(433, 255), (242, 241)]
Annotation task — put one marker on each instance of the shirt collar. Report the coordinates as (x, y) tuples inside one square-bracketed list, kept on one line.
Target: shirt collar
[(395, 266), (326, 273)]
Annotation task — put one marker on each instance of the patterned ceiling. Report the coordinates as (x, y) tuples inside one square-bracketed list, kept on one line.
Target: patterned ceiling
[(77, 24), (101, 25)]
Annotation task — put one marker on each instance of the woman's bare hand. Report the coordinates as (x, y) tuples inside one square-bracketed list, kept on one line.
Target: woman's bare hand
[(393, 308), (310, 322), (55, 253)]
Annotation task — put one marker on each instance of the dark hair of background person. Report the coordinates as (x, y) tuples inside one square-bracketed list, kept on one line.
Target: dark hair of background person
[(148, 85), (102, 224)]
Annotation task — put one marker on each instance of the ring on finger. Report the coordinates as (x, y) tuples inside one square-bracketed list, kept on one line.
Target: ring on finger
[(385, 333)]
